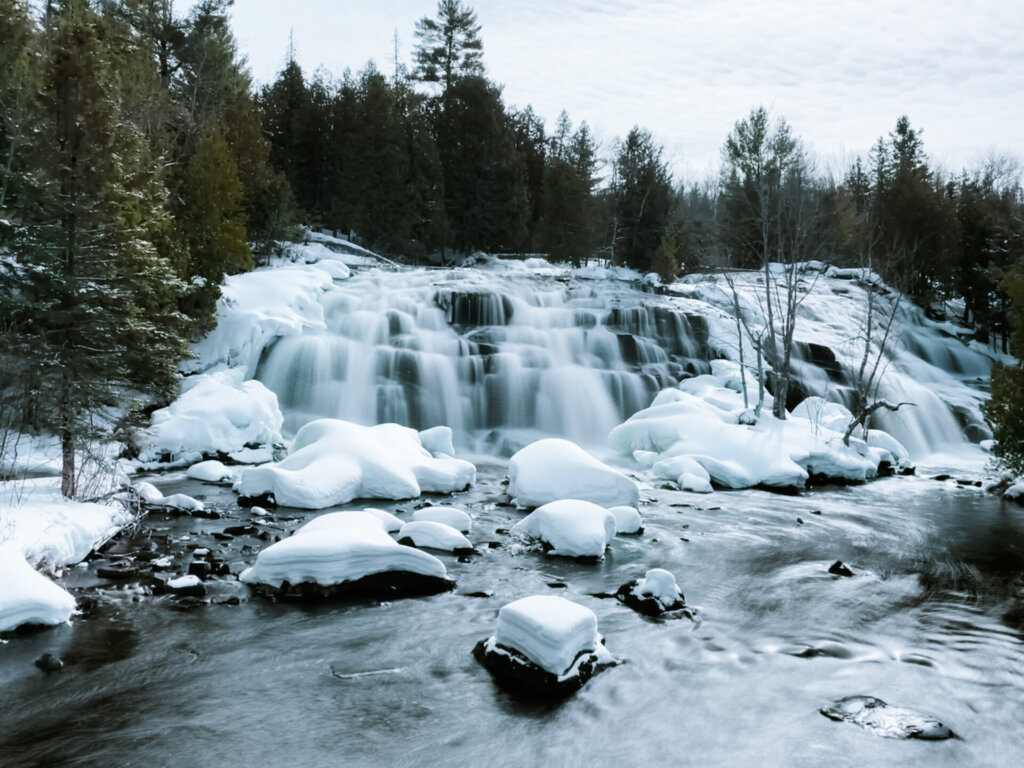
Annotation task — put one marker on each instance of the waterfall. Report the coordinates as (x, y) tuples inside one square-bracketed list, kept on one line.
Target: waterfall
[(503, 355)]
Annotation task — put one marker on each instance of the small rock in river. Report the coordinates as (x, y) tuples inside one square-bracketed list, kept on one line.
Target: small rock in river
[(884, 720), (839, 568), (49, 663)]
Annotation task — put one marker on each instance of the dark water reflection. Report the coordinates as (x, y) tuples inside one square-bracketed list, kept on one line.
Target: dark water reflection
[(931, 621)]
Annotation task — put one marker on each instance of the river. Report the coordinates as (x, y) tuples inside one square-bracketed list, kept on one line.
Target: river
[(933, 620)]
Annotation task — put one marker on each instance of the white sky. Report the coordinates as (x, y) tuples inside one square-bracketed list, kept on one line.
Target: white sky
[(839, 71)]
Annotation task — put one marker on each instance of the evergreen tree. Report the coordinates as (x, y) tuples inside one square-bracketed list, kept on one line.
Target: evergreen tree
[(91, 301), (17, 87), (1005, 409), (448, 46), (212, 223), (485, 178), (642, 191), (569, 216)]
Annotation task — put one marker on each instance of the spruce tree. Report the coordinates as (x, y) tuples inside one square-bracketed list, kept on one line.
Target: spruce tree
[(449, 46), (643, 198), (91, 301), (212, 223)]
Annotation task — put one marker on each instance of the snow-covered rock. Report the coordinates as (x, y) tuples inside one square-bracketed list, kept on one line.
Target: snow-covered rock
[(698, 433), (392, 524), (257, 307), (456, 518), (886, 720), (332, 462), (433, 535), (148, 493), (346, 549), (570, 527), (554, 469), (438, 440), (28, 597), (627, 520), (181, 502), (217, 413), (656, 593), (211, 471), (544, 645), (1015, 492)]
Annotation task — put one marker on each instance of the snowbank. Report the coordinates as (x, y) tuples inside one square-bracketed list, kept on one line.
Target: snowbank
[(336, 548), (570, 527), (28, 597), (50, 531), (433, 535), (553, 469), (550, 631), (255, 308), (697, 434), (217, 413), (332, 462), (456, 518)]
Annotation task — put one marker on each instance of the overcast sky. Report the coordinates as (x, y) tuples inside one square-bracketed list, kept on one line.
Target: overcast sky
[(839, 71)]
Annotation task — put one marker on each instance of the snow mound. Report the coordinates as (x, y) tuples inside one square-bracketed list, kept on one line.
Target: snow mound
[(217, 413), (257, 307), (554, 469), (550, 631), (332, 462), (433, 535), (1015, 492), (336, 548), (570, 527), (456, 518), (627, 520), (51, 531), (211, 471), (181, 502), (698, 434), (392, 524), (438, 440), (28, 597)]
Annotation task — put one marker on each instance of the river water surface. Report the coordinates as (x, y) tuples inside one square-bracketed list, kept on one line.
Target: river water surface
[(932, 620)]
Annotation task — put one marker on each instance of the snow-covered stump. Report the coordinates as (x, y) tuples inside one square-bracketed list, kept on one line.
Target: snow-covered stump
[(554, 469), (27, 597), (571, 528), (544, 647), (346, 554), (655, 595)]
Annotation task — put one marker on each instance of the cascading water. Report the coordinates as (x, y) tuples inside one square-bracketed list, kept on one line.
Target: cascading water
[(508, 351)]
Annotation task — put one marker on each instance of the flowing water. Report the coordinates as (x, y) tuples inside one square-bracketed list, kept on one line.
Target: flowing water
[(933, 620)]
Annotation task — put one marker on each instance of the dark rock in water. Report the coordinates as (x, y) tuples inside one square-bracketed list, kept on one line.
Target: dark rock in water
[(839, 568), (557, 585), (478, 593), (941, 478), (49, 663), (800, 521), (200, 568), (966, 483), (518, 675), (241, 530), (649, 605), (885, 720), (388, 585), (494, 545), (233, 600), (906, 470), (263, 500), (188, 603), (119, 569)]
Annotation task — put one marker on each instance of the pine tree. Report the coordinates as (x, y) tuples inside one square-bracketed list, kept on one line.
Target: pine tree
[(1005, 410), (212, 223), (17, 86), (642, 192), (449, 46), (91, 301)]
